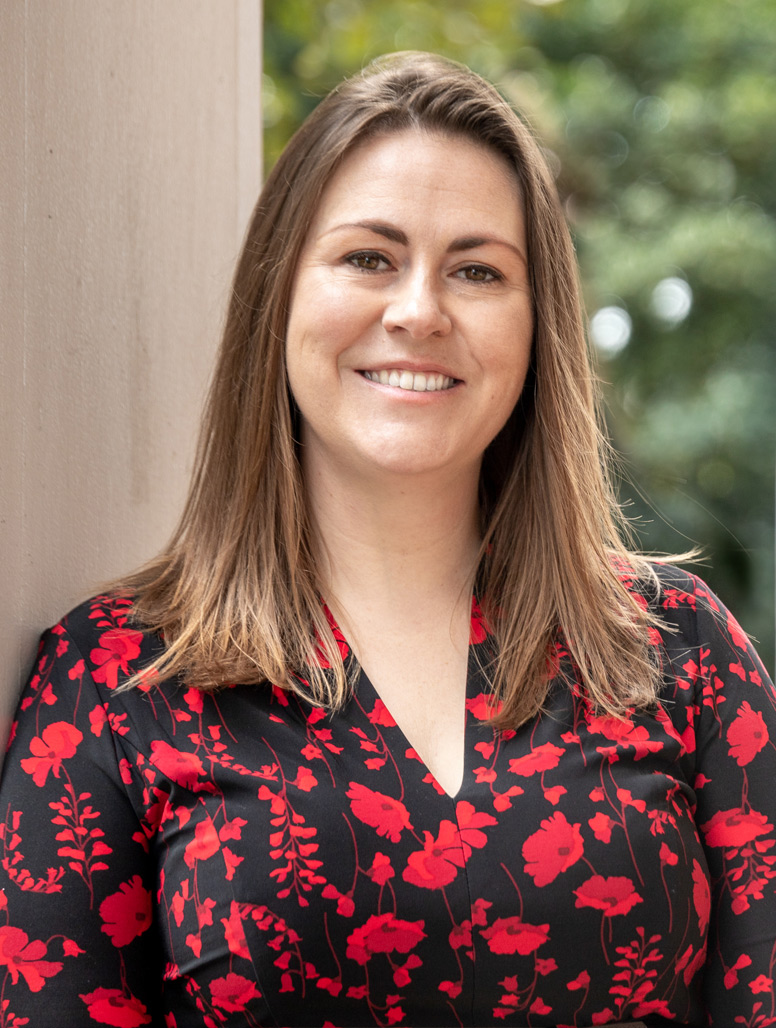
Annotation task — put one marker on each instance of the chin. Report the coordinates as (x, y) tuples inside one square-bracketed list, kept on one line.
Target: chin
[(414, 461)]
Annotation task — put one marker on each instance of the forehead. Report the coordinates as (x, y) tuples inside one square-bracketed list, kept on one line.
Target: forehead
[(418, 171)]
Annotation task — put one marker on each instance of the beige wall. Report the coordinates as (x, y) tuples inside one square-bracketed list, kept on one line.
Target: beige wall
[(129, 160)]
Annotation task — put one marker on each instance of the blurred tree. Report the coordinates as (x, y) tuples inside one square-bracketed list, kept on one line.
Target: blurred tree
[(659, 120)]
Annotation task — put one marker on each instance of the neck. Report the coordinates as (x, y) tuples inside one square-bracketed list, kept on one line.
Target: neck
[(403, 536)]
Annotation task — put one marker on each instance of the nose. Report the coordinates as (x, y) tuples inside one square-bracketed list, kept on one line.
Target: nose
[(417, 307)]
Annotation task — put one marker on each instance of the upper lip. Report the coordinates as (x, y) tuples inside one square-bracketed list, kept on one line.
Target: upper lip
[(408, 364)]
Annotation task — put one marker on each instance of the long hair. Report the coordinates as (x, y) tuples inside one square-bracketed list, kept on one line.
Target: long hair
[(235, 593)]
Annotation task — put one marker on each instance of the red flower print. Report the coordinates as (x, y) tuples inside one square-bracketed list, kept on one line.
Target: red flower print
[(232, 862), (179, 766), (334, 988), (480, 629), (552, 849), (667, 855), (731, 975), (735, 827), (204, 844), (554, 794), (737, 634), (380, 715), (384, 933), (511, 935), (761, 984), (626, 798), (320, 653), (470, 821), (542, 758), (540, 1007), (56, 743), (126, 913), (701, 895), (98, 718), (23, 957), (747, 735), (381, 869), (436, 865), (195, 702), (345, 905), (690, 967), (652, 1006), (602, 827), (401, 976), (602, 1017), (461, 935), (615, 895), (111, 1006), (233, 992), (483, 707), (117, 647), (503, 800), (387, 815), (580, 982), (234, 933), (623, 733), (305, 779)]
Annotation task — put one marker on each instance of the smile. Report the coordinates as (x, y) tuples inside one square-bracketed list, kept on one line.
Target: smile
[(416, 381)]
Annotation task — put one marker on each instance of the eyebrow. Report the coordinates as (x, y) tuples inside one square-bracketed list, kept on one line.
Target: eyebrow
[(396, 235)]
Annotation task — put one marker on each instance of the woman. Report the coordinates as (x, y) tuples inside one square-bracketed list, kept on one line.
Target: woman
[(291, 773)]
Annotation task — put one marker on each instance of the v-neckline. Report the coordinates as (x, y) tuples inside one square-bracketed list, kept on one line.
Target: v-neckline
[(478, 631), (407, 745)]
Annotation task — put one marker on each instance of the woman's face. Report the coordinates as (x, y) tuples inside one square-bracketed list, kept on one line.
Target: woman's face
[(411, 320)]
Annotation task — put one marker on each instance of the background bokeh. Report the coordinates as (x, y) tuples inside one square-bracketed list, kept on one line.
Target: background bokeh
[(659, 118)]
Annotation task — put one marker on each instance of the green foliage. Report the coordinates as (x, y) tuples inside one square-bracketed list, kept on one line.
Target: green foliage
[(660, 120)]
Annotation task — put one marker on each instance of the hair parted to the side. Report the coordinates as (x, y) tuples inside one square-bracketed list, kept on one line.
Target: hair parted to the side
[(235, 593)]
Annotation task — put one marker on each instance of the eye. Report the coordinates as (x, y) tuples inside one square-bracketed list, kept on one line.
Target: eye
[(479, 273), (367, 260)]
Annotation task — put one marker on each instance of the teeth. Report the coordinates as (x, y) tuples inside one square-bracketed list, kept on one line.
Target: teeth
[(417, 382)]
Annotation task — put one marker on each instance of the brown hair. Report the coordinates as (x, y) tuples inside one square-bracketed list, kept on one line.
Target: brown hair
[(235, 592)]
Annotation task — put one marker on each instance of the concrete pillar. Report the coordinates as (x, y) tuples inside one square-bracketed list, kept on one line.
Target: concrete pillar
[(129, 163)]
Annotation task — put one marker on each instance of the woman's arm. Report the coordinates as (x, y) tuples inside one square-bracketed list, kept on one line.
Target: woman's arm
[(735, 738), (77, 883)]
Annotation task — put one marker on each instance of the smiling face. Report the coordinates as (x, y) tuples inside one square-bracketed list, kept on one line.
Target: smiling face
[(411, 319)]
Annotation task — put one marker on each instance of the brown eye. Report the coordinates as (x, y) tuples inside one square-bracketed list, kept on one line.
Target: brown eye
[(366, 260), (479, 273)]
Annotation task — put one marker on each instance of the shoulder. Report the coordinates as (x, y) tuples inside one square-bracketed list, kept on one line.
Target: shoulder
[(100, 637), (673, 594), (91, 617), (692, 622), (678, 588)]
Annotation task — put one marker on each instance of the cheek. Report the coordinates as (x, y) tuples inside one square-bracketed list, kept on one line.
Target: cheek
[(511, 364), (327, 315), (509, 375), (322, 330)]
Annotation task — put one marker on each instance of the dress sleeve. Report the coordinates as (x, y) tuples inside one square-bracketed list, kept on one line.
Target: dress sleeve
[(77, 886), (735, 740)]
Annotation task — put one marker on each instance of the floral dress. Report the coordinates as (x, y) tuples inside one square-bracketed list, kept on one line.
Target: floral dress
[(241, 858)]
